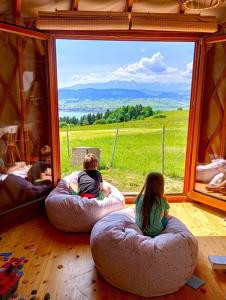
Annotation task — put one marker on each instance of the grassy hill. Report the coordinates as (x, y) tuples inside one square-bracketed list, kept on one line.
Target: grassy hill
[(138, 150)]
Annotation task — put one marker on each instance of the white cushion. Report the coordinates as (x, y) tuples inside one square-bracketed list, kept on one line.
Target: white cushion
[(74, 213), (140, 264), (205, 173)]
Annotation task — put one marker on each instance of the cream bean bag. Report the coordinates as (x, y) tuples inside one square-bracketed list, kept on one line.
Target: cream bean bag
[(139, 264), (73, 213)]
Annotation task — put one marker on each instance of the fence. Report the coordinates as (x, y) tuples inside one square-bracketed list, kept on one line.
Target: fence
[(127, 155)]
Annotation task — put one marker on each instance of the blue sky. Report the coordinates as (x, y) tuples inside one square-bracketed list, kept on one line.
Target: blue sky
[(85, 62)]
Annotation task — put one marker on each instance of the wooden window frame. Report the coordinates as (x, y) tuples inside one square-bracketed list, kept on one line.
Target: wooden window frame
[(122, 36), (195, 100), (196, 119)]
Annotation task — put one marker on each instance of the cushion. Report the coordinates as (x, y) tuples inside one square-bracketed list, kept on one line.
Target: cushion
[(140, 264), (73, 213), (205, 173)]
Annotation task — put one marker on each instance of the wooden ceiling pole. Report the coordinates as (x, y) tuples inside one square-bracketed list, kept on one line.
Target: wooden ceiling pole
[(74, 5), (24, 143), (223, 135), (17, 11), (129, 5), (181, 7)]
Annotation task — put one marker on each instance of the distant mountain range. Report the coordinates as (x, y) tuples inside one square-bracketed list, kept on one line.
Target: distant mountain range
[(125, 90), (95, 94), (100, 96), (133, 85)]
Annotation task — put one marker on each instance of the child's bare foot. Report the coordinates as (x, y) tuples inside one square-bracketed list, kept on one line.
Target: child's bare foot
[(106, 189), (223, 190), (212, 188), (73, 188), (216, 189)]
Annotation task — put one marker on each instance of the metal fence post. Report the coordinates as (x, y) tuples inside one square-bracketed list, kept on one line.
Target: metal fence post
[(68, 145), (113, 152), (163, 148)]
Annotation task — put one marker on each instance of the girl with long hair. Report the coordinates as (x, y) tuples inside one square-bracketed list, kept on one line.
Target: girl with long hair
[(151, 206)]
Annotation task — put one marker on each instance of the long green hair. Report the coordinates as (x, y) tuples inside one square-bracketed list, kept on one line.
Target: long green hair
[(153, 190)]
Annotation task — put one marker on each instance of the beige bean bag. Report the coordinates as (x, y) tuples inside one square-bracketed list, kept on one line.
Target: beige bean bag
[(139, 264), (73, 213)]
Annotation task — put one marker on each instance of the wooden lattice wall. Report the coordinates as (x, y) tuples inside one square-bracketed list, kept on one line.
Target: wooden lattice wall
[(213, 120), (23, 94)]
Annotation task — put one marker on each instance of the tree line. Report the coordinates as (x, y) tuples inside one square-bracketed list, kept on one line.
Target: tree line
[(118, 115)]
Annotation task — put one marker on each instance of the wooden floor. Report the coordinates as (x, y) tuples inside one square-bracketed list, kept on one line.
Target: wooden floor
[(201, 187), (77, 278)]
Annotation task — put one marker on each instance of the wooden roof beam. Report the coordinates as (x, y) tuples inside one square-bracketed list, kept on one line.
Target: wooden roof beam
[(74, 4), (17, 11), (129, 5)]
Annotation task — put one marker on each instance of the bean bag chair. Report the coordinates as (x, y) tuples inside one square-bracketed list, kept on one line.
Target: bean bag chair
[(73, 213), (140, 264), (16, 190)]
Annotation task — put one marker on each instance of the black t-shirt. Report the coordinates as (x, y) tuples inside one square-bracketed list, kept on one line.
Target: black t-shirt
[(36, 169), (89, 182)]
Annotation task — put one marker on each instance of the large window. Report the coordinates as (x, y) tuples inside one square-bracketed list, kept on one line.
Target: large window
[(128, 102)]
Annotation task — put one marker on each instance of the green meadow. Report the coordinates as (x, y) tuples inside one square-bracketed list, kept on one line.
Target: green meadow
[(138, 150)]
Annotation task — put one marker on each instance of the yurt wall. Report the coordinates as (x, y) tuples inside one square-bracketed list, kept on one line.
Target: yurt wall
[(210, 156), (9, 93), (25, 138), (213, 119), (24, 95)]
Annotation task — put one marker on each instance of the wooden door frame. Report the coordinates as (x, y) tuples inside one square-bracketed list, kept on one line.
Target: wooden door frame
[(22, 31), (192, 112), (54, 113), (195, 121), (119, 36)]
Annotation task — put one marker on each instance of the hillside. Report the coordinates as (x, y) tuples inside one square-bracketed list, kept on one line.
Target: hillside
[(96, 94), (138, 150), (113, 94), (134, 85), (99, 97)]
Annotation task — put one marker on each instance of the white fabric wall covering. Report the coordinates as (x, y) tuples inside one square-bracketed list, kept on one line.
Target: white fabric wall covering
[(102, 5), (156, 6), (30, 8)]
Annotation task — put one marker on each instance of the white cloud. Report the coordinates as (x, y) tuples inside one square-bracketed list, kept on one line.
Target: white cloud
[(147, 69), (188, 70)]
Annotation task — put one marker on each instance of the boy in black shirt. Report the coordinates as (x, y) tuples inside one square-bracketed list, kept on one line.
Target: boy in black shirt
[(90, 182)]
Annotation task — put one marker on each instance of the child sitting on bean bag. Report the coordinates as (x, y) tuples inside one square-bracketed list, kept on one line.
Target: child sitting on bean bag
[(90, 182)]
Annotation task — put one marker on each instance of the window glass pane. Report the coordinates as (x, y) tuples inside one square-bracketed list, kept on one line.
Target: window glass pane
[(25, 150), (211, 162)]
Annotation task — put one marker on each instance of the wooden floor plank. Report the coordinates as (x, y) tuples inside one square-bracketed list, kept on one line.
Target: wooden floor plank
[(61, 263)]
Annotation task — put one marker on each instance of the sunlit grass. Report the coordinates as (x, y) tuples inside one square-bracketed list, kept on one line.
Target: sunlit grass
[(138, 150)]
